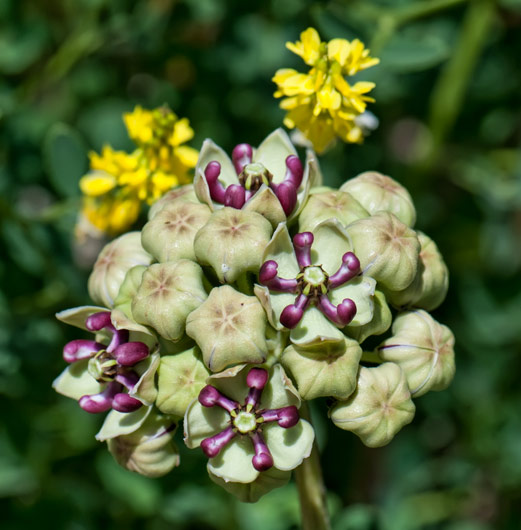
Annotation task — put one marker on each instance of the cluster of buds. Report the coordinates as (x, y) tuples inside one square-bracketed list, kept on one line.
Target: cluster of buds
[(245, 295)]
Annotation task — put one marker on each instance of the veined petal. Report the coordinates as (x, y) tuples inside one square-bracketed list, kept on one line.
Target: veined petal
[(330, 244), (120, 423), (280, 249), (75, 381), (314, 330), (202, 422)]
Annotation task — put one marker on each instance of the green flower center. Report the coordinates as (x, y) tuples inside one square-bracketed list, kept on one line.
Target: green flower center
[(253, 176), (245, 422), (102, 367), (314, 276)]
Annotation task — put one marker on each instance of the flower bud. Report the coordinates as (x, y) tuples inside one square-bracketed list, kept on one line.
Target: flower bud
[(330, 204), (149, 450), (128, 290), (424, 349), (229, 327), (380, 406), (169, 236), (232, 242), (380, 323), (430, 285), (319, 373), (168, 293), (377, 192), (112, 264), (181, 378), (176, 196), (387, 249)]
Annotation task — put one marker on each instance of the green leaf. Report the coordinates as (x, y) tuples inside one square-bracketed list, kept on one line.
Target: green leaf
[(65, 157), (414, 53)]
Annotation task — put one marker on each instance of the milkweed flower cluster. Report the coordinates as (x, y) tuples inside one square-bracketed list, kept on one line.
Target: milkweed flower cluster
[(251, 292), (119, 183), (322, 104)]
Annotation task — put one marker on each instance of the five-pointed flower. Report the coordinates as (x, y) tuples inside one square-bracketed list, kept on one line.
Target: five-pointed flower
[(246, 421), (314, 286), (105, 372), (270, 179)]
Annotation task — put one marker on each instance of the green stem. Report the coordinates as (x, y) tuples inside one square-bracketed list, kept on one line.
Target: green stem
[(311, 489)]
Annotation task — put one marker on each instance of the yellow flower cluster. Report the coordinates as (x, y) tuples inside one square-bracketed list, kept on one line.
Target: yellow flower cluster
[(119, 182), (321, 103)]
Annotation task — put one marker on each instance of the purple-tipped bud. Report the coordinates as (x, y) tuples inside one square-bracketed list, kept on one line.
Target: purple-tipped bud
[(210, 396), (241, 155), (130, 353), (349, 269), (235, 196), (125, 403), (268, 271), (268, 277), (288, 416), (342, 314), (262, 461), (211, 173), (119, 336), (99, 321), (302, 244), (79, 349), (214, 445), (286, 192), (291, 316), (257, 378), (294, 171), (128, 379), (101, 402)]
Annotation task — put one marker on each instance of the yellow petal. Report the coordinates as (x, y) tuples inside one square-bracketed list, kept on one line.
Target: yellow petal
[(182, 132), (187, 155), (329, 98), (97, 183), (338, 50), (308, 47)]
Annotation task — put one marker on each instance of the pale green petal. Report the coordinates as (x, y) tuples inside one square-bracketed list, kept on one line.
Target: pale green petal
[(120, 423), (77, 315), (145, 389), (289, 447), (75, 381), (315, 329), (210, 152), (380, 323), (234, 462), (253, 491), (330, 244), (267, 204), (361, 291), (280, 249), (272, 153), (279, 392), (202, 422), (232, 382), (202, 191)]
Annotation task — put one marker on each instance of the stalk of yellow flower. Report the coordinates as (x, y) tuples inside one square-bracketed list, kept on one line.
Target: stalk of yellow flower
[(322, 104)]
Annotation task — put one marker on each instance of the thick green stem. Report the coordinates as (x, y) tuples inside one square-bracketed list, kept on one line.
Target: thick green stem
[(311, 489)]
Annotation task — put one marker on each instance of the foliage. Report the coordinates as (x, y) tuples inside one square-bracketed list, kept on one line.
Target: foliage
[(447, 99)]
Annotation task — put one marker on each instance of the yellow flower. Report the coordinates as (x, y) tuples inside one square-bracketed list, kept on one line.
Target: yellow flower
[(322, 104), (119, 182)]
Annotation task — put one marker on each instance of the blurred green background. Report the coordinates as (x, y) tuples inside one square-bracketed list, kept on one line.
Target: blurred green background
[(448, 100)]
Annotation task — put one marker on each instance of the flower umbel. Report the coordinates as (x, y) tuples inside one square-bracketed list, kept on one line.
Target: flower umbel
[(246, 419), (119, 182), (312, 284), (321, 103), (109, 365)]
